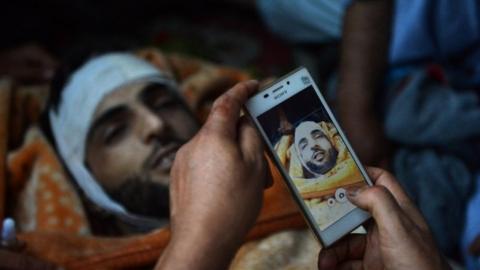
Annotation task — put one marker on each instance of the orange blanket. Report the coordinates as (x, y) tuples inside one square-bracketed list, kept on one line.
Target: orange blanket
[(55, 228), (45, 199)]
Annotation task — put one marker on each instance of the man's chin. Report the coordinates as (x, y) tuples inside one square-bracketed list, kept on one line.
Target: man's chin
[(320, 168), (319, 165)]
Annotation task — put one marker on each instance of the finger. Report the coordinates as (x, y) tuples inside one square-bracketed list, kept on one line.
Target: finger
[(384, 178), (269, 180), (268, 175), (351, 265), (250, 143), (252, 148), (381, 204), (272, 170), (350, 248), (176, 185), (225, 111)]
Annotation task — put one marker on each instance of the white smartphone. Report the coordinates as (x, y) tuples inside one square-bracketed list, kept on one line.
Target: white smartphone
[(312, 153)]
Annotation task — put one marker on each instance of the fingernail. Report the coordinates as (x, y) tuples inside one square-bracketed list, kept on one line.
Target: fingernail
[(252, 82)]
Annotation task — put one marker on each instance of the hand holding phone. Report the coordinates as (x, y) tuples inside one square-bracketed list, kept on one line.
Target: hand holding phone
[(398, 239), (216, 187)]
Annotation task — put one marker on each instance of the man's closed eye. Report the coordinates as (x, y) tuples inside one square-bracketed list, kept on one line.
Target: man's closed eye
[(113, 133), (303, 143)]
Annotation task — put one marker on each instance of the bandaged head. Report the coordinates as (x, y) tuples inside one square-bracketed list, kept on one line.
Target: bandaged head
[(314, 149), (71, 121)]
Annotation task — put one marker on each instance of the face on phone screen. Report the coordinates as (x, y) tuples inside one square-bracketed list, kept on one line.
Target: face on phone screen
[(313, 154)]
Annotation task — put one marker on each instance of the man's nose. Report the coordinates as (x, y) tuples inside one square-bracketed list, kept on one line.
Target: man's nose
[(316, 147), (152, 126)]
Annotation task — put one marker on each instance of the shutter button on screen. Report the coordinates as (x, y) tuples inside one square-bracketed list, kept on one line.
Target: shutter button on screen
[(331, 202), (341, 195)]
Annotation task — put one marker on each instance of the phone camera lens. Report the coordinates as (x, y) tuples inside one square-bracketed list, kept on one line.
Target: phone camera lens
[(288, 82), (265, 96)]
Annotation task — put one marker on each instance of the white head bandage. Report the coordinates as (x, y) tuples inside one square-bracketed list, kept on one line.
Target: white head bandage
[(79, 100)]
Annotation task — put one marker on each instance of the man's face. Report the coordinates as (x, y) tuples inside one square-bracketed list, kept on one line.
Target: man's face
[(135, 134), (316, 151)]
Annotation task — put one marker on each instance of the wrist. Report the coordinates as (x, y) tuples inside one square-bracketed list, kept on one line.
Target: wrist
[(198, 250)]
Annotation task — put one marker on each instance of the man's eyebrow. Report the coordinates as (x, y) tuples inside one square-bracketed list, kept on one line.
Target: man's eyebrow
[(316, 131), (108, 115)]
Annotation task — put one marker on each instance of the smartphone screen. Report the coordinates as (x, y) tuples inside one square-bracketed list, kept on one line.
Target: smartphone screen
[(313, 153)]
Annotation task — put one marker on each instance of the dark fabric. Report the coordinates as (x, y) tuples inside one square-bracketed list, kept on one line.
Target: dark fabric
[(436, 128), (425, 112)]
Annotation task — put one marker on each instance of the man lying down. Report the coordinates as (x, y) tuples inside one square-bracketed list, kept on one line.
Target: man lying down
[(117, 122)]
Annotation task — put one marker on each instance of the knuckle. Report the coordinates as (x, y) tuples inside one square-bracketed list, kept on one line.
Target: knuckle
[(220, 100), (241, 86), (202, 133), (184, 149), (377, 193), (386, 176), (221, 106), (234, 100), (180, 153), (205, 134)]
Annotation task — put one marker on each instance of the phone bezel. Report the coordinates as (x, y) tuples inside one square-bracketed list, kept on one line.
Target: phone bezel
[(260, 103)]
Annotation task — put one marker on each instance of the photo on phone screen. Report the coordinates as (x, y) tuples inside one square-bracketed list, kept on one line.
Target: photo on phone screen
[(312, 152)]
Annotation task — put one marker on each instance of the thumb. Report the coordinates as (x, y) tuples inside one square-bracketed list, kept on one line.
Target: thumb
[(380, 203)]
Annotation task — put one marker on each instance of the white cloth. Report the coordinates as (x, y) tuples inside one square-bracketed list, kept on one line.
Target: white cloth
[(71, 122)]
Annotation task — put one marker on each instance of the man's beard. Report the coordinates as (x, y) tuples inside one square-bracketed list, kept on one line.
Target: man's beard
[(326, 166), (142, 196)]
